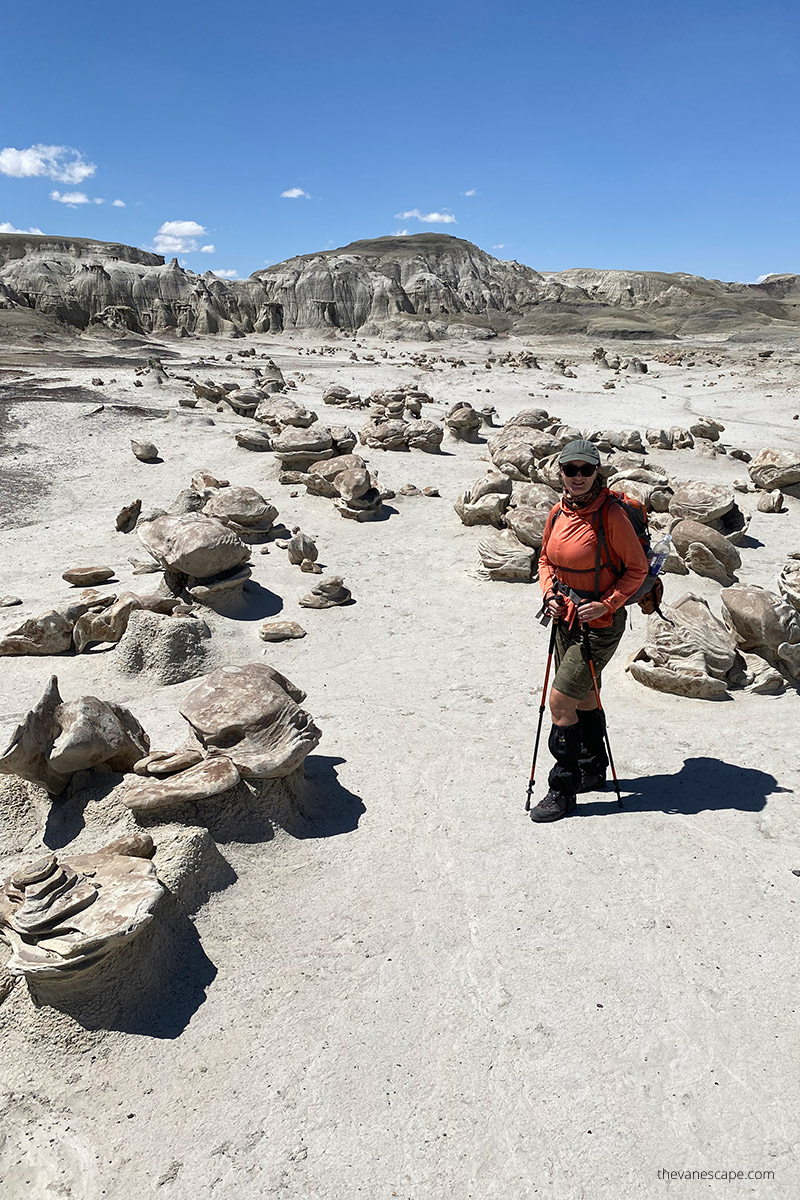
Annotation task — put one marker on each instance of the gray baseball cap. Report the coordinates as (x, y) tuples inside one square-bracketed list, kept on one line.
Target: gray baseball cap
[(580, 450)]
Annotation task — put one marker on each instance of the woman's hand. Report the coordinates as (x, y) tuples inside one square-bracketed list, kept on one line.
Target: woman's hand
[(556, 606), (591, 610)]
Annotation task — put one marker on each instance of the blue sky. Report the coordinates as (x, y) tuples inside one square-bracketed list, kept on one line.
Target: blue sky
[(604, 134)]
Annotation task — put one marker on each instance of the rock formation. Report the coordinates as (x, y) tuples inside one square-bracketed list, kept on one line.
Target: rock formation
[(56, 739), (63, 917)]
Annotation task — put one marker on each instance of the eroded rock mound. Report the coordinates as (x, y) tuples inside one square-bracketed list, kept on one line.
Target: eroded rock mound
[(692, 656), (64, 917), (761, 622)]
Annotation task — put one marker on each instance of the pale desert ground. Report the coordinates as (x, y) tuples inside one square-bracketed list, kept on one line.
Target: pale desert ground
[(428, 997)]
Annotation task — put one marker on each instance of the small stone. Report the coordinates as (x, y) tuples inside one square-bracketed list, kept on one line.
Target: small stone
[(409, 489), (9, 601), (144, 451), (280, 631), (431, 491), (97, 382), (138, 383), (310, 567), (88, 576), (128, 516)]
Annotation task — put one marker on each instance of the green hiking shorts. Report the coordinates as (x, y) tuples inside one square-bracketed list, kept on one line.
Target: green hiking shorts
[(573, 676)]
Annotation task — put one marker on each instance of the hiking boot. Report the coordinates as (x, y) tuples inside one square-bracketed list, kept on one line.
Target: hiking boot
[(554, 806), (591, 783)]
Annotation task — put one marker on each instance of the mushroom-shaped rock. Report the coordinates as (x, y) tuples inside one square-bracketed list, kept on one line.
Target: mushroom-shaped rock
[(301, 547), (774, 469), (280, 411), (328, 593), (252, 715), (704, 502), (144, 451), (242, 509), (193, 544), (385, 435), (463, 422), (64, 917), (49, 633), (321, 475), (297, 448), (690, 654), (486, 501), (254, 439), (762, 622), (56, 739), (706, 551), (504, 557), (424, 435)]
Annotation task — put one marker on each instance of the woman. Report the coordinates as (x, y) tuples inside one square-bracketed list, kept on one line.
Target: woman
[(590, 547)]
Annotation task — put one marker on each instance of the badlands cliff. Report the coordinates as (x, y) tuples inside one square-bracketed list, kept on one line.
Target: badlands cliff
[(426, 287)]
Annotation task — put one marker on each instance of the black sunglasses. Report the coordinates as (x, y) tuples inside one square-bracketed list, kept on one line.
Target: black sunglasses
[(573, 469)]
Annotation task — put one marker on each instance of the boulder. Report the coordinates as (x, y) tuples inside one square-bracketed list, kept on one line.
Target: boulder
[(203, 781), (242, 509), (193, 544), (144, 451), (706, 551), (55, 739), (504, 557), (774, 469), (789, 582), (328, 593), (527, 524), (704, 502), (691, 656), (49, 633), (280, 631), (424, 435), (251, 715), (486, 501), (763, 623)]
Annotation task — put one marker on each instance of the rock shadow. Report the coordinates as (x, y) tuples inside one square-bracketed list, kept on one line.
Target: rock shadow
[(702, 784), (66, 820), (153, 986), (255, 604), (328, 808)]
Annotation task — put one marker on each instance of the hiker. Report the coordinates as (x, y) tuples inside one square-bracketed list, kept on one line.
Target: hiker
[(590, 550)]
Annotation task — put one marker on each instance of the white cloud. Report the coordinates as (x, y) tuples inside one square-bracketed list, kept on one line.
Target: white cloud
[(117, 203), (70, 198), (499, 246), (401, 233), (295, 193), (178, 237), (7, 227), (470, 192), (209, 249), (97, 200), (431, 218), (763, 278), (226, 273), (61, 163)]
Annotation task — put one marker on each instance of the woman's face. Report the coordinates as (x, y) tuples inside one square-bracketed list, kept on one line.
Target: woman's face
[(578, 485)]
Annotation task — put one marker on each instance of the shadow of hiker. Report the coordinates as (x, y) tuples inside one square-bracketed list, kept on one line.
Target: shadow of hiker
[(328, 807), (702, 784)]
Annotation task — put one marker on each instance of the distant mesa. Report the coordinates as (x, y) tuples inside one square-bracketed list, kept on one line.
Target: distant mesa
[(425, 286)]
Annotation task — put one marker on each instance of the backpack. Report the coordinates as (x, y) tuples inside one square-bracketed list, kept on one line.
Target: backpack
[(650, 594)]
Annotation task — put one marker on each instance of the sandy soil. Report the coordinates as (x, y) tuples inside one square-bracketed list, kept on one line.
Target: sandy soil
[(429, 998)]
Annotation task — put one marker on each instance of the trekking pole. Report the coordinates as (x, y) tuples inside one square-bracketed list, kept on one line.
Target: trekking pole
[(541, 713), (587, 654)]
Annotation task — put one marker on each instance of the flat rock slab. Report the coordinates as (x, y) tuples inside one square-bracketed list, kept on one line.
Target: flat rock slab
[(88, 576)]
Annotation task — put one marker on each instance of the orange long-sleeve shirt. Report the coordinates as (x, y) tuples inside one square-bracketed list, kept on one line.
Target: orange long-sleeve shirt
[(569, 554)]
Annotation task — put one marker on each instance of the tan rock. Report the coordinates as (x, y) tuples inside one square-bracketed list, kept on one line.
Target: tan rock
[(280, 631), (209, 778), (88, 576), (144, 451)]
